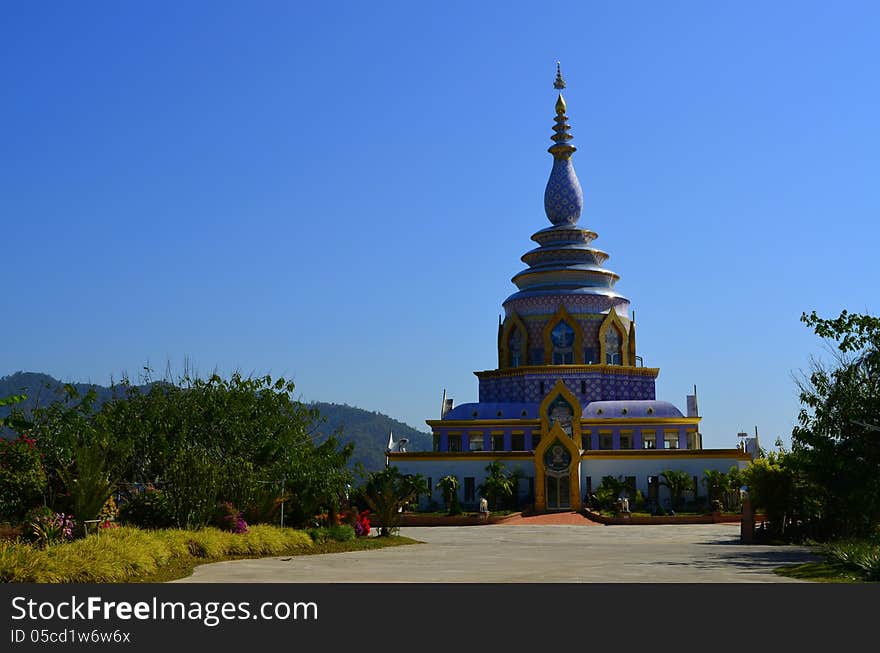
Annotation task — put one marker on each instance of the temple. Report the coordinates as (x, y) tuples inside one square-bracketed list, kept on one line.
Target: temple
[(571, 400)]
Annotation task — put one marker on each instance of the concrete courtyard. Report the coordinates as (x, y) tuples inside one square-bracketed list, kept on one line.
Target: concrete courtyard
[(701, 553)]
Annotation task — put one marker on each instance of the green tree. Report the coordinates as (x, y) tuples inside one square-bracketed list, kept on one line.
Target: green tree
[(677, 482), (22, 478), (716, 484), (836, 444), (499, 485), (388, 492), (771, 485), (448, 486), (84, 459), (198, 440)]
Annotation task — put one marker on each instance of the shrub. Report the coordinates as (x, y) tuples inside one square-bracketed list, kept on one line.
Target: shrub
[(147, 509), (22, 479), (49, 527), (860, 557), (126, 553), (229, 518)]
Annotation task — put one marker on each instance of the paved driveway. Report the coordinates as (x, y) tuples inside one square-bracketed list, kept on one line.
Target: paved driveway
[(699, 553)]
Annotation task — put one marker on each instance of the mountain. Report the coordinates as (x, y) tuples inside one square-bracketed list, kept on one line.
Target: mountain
[(368, 430), (42, 389)]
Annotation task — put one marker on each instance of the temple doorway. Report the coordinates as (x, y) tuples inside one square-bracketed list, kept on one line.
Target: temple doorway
[(558, 493), (557, 470)]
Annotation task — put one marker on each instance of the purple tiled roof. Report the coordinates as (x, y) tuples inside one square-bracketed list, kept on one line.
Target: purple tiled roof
[(628, 409), (487, 410)]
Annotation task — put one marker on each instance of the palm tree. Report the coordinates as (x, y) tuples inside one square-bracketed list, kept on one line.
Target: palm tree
[(498, 486), (388, 492), (448, 486), (732, 498), (716, 483), (678, 483)]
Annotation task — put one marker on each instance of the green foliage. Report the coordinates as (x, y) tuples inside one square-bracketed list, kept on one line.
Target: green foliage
[(678, 482), (12, 418), (448, 486), (859, 557), (192, 486), (389, 492), (338, 533), (723, 489), (772, 484), (240, 439), (499, 486), (836, 444), (610, 489), (22, 478), (147, 509)]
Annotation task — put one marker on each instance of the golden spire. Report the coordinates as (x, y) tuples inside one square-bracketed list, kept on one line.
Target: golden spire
[(559, 84)]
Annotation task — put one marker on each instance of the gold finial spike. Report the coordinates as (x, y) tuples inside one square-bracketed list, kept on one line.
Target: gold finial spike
[(560, 104), (559, 84)]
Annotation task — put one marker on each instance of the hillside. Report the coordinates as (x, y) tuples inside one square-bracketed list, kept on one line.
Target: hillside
[(368, 430)]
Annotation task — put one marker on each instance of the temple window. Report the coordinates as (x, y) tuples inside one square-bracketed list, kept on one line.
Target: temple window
[(586, 441), (453, 443), (613, 354), (606, 441), (497, 442), (515, 347), (476, 442), (560, 411), (649, 440), (562, 337), (626, 441), (691, 440), (583, 387), (436, 443), (536, 440), (670, 440), (518, 442)]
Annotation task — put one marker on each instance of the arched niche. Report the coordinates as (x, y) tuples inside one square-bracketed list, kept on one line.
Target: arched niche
[(562, 316), (513, 325), (561, 392), (620, 333)]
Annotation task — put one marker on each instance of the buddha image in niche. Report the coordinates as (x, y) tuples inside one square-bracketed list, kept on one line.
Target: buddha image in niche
[(561, 412)]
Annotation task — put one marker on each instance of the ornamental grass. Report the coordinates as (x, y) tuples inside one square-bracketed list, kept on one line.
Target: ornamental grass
[(127, 553)]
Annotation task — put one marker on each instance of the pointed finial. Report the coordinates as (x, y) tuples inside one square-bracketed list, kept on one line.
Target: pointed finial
[(559, 84)]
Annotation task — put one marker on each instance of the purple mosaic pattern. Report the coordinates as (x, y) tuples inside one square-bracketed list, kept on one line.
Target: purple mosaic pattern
[(563, 197), (587, 256), (600, 387), (582, 303), (589, 326)]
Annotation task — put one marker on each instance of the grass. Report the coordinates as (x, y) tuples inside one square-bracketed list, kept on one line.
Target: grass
[(818, 572), (127, 554), (845, 561)]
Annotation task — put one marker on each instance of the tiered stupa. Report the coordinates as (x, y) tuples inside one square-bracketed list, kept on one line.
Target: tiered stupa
[(570, 402)]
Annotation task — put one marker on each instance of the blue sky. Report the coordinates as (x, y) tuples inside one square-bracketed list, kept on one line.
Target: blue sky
[(340, 194)]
